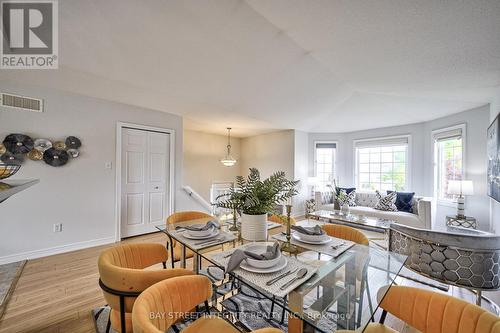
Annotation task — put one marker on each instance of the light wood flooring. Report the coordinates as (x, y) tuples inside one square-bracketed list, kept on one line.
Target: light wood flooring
[(57, 293)]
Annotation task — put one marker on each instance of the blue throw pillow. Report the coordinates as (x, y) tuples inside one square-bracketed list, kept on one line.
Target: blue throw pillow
[(346, 189), (404, 201)]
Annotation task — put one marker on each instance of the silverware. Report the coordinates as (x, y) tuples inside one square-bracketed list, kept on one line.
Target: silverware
[(338, 245), (300, 274), (210, 241), (279, 277)]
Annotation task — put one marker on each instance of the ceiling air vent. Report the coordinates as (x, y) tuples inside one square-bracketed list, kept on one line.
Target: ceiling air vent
[(21, 102)]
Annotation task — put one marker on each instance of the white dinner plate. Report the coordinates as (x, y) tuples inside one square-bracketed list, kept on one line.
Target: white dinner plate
[(326, 240), (187, 235), (279, 266)]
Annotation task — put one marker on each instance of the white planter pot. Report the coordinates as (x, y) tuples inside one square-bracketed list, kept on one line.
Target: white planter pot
[(254, 227)]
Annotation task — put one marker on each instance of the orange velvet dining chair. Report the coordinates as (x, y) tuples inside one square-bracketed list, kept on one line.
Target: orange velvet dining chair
[(432, 312), (175, 248), (281, 219), (165, 303), (347, 233), (123, 277)]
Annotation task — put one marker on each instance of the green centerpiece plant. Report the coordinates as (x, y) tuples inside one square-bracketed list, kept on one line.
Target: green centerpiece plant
[(255, 198)]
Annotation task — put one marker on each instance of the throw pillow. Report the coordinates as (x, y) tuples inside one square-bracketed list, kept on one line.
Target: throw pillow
[(386, 203), (346, 198), (404, 201), (347, 190)]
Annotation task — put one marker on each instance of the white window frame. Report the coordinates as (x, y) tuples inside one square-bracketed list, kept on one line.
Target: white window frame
[(335, 174), (380, 141), (435, 169)]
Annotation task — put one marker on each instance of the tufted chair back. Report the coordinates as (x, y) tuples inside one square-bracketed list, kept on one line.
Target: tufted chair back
[(432, 312), (347, 233), (279, 219), (121, 268), (163, 304), (186, 216)]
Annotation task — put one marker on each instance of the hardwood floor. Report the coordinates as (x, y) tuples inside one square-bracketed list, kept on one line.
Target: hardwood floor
[(56, 294)]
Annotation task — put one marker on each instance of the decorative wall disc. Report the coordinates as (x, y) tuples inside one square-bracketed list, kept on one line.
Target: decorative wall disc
[(74, 153), (35, 155), (3, 150), (18, 143), (55, 158), (9, 158), (59, 145), (72, 142), (42, 144)]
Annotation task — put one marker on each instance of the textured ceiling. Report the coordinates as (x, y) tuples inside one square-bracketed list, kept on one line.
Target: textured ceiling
[(260, 65)]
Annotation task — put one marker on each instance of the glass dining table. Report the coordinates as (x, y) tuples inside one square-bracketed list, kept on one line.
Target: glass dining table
[(342, 290)]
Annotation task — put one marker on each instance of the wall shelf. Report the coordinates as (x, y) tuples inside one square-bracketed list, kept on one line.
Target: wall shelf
[(10, 187)]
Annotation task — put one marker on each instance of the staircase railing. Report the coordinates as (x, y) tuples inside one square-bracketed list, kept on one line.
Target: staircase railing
[(193, 194)]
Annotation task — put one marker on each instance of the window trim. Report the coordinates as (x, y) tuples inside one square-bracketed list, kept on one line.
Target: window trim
[(409, 153), (315, 158), (463, 128)]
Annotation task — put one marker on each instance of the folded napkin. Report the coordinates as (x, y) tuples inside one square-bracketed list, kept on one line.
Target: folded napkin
[(272, 252), (314, 231), (200, 227)]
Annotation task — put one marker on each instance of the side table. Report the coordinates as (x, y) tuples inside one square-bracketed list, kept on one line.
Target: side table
[(464, 222)]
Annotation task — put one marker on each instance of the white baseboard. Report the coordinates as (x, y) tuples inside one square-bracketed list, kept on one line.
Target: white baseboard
[(55, 250)]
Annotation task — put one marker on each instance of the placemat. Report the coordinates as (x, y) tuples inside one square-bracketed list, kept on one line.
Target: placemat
[(192, 243), (258, 280), (322, 248)]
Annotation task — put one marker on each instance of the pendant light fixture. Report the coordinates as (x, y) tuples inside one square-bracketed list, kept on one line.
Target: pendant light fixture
[(228, 160)]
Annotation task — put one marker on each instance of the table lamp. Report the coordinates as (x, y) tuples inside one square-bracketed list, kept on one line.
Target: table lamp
[(460, 188)]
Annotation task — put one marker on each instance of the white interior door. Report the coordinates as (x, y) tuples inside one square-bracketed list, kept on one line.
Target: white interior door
[(145, 170)]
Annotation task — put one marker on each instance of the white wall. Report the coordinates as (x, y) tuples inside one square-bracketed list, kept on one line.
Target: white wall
[(269, 153), (421, 160), (81, 194), (301, 156), (202, 166), (277, 151)]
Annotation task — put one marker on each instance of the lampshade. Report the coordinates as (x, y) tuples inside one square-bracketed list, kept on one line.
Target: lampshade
[(228, 160), (460, 187)]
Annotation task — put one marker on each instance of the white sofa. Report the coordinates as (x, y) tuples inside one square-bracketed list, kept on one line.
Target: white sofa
[(365, 201)]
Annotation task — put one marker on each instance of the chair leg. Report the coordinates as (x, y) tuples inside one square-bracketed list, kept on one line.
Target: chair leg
[(271, 312), (172, 260), (122, 315), (108, 325), (360, 307), (382, 317), (283, 312), (369, 300), (164, 264), (479, 295)]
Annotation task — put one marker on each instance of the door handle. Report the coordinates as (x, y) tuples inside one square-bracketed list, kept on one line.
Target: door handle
[(157, 187)]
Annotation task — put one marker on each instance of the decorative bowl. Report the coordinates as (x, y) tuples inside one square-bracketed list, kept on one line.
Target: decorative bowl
[(261, 263), (7, 170), (201, 233)]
